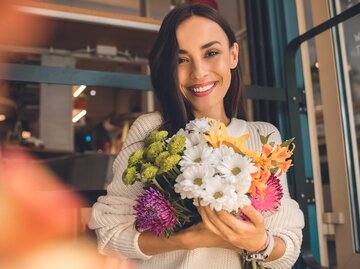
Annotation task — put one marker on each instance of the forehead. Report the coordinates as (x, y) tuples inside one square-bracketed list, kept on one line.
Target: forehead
[(197, 30)]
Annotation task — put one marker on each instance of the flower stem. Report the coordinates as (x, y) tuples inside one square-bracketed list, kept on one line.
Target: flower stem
[(177, 206), (167, 181), (177, 171), (157, 184)]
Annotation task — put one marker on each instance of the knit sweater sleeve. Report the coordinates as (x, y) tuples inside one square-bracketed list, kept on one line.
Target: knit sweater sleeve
[(288, 222), (112, 215)]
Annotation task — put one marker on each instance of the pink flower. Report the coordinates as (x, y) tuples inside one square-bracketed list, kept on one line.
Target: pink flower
[(272, 196)]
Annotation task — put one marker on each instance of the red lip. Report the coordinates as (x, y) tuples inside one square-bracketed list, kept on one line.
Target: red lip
[(205, 93), (202, 84)]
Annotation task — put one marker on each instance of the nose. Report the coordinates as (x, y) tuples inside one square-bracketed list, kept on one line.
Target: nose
[(199, 70)]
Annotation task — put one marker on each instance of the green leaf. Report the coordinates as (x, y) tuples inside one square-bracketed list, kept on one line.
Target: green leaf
[(286, 143), (264, 139)]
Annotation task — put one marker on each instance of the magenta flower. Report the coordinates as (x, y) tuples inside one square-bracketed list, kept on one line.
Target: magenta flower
[(154, 213), (272, 196)]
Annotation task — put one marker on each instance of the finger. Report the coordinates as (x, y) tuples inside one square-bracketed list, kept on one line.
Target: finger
[(238, 226), (207, 222), (226, 231), (255, 216), (230, 220)]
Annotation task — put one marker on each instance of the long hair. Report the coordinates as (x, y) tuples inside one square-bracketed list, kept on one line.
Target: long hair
[(163, 60)]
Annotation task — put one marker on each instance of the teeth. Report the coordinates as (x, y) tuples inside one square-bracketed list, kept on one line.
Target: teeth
[(203, 89)]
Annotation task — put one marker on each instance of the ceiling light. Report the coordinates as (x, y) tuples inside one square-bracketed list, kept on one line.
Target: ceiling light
[(79, 91), (79, 116)]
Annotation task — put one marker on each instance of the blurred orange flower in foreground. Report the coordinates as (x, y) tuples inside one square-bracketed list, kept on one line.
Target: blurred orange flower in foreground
[(36, 229), (34, 206)]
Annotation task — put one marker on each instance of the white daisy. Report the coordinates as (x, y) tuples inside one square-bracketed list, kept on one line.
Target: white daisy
[(201, 154), (193, 180), (242, 200), (180, 189), (219, 195), (223, 151), (237, 169), (198, 125), (196, 138)]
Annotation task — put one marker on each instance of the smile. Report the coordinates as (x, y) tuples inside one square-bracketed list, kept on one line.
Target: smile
[(202, 89)]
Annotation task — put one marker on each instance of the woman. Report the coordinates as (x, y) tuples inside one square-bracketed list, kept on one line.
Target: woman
[(195, 73)]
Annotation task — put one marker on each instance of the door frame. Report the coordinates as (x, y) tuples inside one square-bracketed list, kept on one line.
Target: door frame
[(336, 140)]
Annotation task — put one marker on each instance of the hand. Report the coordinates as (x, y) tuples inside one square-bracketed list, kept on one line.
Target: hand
[(199, 236), (249, 235)]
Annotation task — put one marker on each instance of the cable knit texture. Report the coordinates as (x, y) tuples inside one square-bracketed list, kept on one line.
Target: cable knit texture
[(113, 216)]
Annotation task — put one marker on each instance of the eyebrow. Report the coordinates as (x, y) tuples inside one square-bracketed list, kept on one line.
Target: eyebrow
[(205, 46)]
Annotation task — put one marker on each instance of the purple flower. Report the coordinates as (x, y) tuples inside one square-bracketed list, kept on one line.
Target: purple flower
[(154, 213)]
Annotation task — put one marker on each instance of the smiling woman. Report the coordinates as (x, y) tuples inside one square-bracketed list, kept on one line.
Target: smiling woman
[(205, 62), (196, 53), (195, 73)]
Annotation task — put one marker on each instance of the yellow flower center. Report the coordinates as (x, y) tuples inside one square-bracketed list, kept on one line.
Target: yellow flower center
[(236, 171), (198, 181), (218, 195), (198, 160)]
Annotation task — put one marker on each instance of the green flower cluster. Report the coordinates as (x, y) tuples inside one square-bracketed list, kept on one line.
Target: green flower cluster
[(158, 158)]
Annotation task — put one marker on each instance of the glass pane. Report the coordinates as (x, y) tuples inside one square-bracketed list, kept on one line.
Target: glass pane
[(318, 108), (349, 39)]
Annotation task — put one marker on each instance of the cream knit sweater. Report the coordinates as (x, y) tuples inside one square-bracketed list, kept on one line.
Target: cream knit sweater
[(113, 218)]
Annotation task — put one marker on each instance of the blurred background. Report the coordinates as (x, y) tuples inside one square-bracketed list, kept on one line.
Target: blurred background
[(74, 76)]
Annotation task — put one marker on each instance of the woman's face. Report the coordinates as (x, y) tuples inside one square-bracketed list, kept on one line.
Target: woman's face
[(205, 60)]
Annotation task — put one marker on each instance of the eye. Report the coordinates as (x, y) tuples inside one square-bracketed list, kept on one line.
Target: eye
[(182, 60), (211, 53)]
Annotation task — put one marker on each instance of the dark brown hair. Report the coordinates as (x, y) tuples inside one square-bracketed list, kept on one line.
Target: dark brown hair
[(163, 59)]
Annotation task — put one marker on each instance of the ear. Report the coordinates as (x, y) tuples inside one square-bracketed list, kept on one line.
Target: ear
[(234, 55)]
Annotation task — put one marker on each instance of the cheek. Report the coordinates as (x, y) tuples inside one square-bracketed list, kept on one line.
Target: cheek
[(224, 70)]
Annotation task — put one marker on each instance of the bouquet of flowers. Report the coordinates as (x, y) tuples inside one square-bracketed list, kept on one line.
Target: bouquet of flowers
[(203, 165)]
